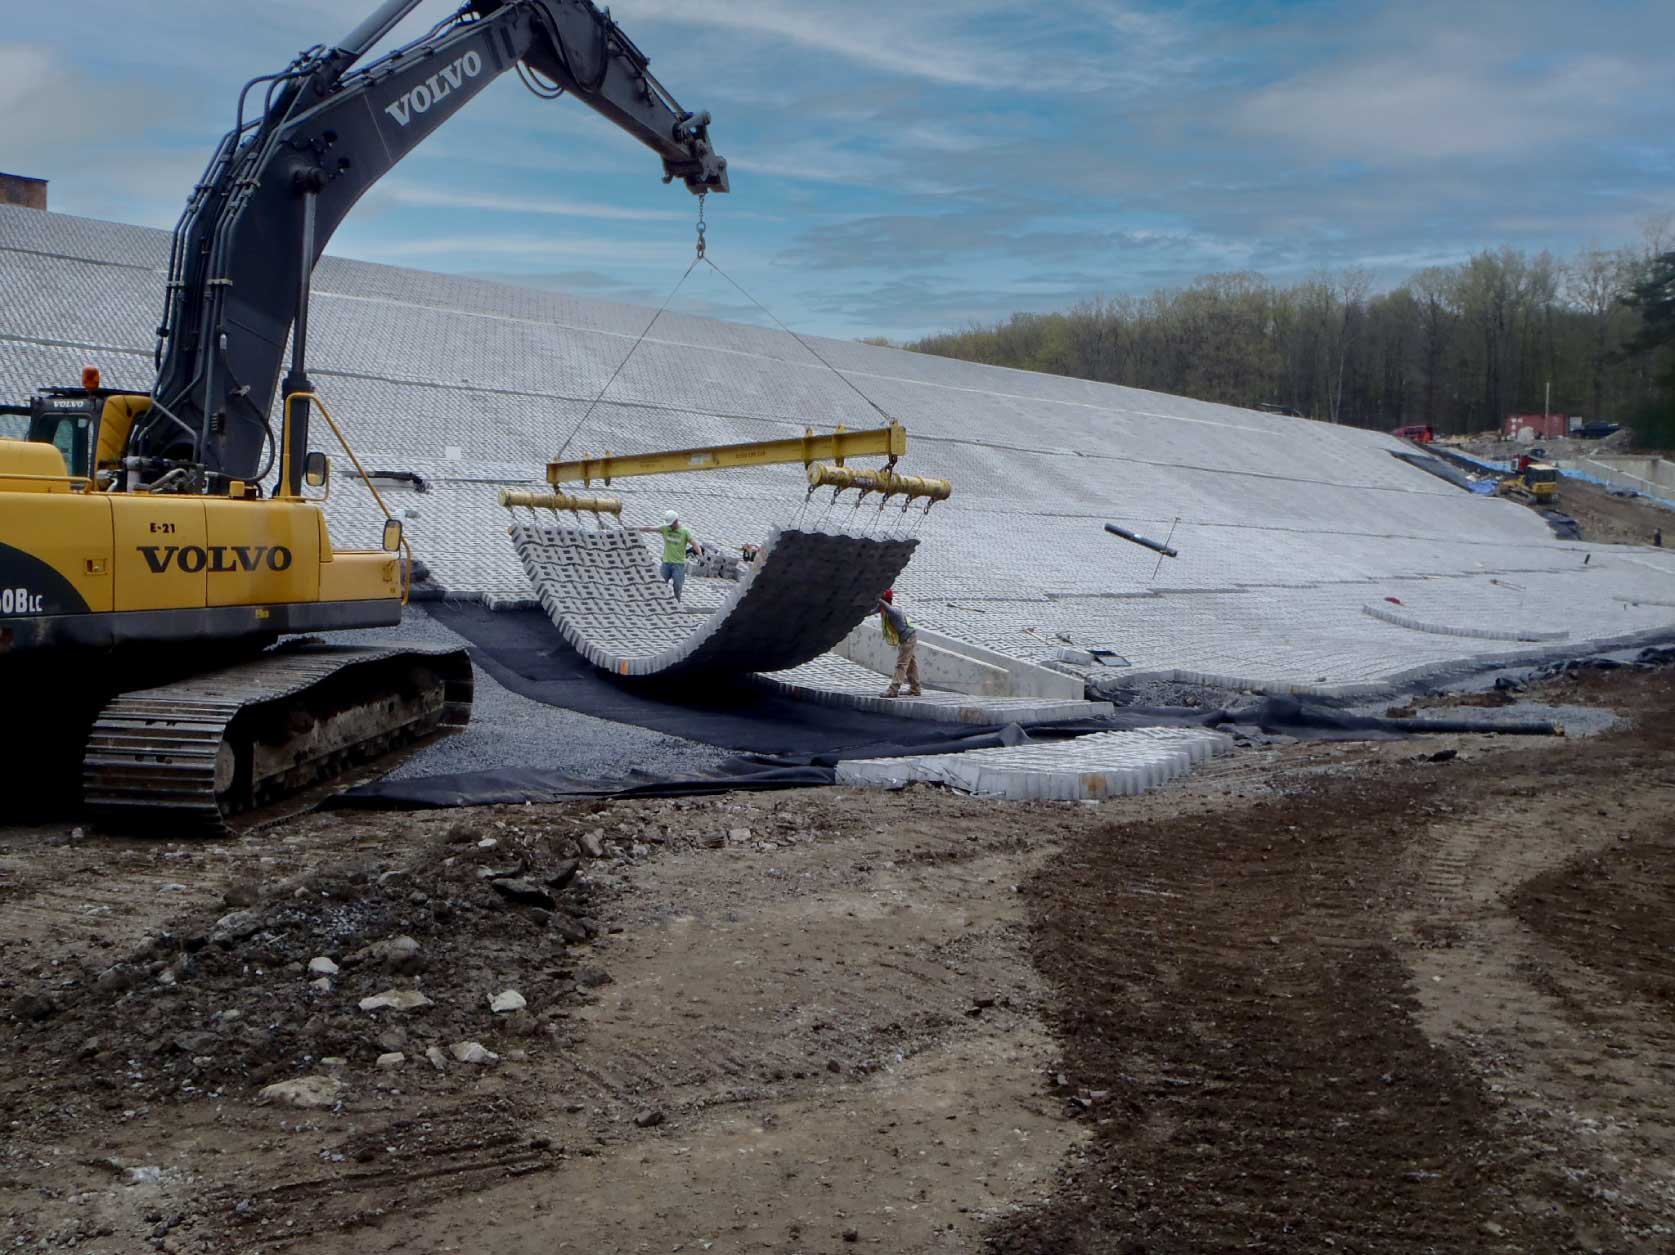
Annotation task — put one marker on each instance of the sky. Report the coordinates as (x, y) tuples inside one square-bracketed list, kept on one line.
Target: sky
[(901, 168)]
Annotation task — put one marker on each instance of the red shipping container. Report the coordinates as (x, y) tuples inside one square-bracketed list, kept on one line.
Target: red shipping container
[(1545, 426)]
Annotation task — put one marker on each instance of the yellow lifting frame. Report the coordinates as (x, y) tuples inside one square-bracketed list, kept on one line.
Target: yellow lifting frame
[(890, 442)]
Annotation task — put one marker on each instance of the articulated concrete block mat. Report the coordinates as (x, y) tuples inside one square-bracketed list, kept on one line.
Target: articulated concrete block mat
[(808, 590), (1107, 764)]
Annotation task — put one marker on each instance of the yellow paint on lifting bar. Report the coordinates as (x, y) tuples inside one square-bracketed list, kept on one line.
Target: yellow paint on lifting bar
[(885, 482), (808, 448), (510, 497)]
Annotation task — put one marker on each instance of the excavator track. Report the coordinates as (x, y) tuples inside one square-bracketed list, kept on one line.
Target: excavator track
[(193, 753)]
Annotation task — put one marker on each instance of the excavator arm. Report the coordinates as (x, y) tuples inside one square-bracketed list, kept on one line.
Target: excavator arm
[(279, 185)]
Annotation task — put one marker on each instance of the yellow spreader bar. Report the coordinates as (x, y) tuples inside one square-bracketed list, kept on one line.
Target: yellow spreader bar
[(807, 449)]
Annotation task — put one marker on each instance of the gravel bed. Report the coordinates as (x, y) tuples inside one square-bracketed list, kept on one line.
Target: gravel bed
[(1575, 719)]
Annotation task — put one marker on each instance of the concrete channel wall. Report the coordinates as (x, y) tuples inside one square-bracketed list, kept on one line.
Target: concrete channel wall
[(946, 662), (1653, 476)]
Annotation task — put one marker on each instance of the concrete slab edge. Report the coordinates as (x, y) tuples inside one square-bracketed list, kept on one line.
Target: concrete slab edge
[(973, 711), (1386, 615), (1429, 675)]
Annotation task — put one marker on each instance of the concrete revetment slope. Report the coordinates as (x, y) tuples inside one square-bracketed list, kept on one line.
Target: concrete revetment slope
[(1286, 528)]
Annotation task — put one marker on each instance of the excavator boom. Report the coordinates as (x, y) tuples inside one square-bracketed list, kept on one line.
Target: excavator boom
[(279, 185)]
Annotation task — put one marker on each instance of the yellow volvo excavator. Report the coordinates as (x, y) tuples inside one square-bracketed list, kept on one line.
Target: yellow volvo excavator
[(149, 559)]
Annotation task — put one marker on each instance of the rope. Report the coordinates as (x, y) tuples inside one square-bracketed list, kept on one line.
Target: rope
[(594, 404), (1161, 555), (710, 262)]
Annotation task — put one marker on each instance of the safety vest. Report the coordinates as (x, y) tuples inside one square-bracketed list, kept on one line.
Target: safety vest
[(890, 633)]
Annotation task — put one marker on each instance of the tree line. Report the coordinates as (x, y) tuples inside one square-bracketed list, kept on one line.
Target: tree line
[(1454, 347)]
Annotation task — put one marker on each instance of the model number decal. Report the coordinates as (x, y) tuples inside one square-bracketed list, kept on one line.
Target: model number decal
[(20, 601), (191, 559)]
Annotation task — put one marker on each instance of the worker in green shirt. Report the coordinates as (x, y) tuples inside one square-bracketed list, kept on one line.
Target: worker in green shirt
[(676, 541)]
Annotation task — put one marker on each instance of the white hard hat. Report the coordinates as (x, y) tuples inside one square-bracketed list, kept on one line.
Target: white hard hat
[(669, 516)]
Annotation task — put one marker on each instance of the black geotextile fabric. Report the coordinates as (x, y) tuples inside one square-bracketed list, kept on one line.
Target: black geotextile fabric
[(1435, 466), (783, 743), (763, 772), (744, 773), (523, 651)]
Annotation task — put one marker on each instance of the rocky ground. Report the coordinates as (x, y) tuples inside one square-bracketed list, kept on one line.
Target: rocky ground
[(1376, 998)]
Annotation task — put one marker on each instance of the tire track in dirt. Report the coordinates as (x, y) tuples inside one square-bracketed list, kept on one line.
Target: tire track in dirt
[(1404, 1008), (1245, 1034), (1540, 937)]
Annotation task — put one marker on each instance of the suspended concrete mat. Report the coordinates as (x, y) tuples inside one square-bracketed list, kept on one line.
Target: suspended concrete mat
[(804, 593)]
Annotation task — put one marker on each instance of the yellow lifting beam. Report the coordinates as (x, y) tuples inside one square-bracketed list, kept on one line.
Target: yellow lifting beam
[(576, 504), (886, 483), (890, 442)]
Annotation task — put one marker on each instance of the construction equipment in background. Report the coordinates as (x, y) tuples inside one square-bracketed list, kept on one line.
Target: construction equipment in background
[(1532, 480), (146, 573)]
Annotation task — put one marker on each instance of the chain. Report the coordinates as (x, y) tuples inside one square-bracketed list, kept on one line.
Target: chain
[(701, 227)]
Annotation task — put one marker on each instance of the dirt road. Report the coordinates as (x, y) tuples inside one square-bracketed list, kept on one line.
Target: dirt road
[(1414, 1007), (1318, 998), (1613, 520)]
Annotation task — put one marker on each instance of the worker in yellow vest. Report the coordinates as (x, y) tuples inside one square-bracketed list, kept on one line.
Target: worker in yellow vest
[(900, 633), (676, 541)]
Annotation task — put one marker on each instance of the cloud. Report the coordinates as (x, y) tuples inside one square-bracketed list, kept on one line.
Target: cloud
[(25, 73), (817, 162), (991, 45), (50, 106), (1455, 96), (417, 195), (900, 167), (1004, 233), (475, 245), (887, 41)]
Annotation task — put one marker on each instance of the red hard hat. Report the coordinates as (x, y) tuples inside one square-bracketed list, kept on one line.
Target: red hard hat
[(889, 594)]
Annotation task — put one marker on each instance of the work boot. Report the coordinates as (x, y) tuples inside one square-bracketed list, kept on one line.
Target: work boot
[(915, 692), (891, 692)]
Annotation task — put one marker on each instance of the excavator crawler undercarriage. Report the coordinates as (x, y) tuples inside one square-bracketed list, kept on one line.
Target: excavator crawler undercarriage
[(200, 750)]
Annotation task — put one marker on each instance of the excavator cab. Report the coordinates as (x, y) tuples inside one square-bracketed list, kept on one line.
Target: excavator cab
[(70, 422), (88, 425)]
